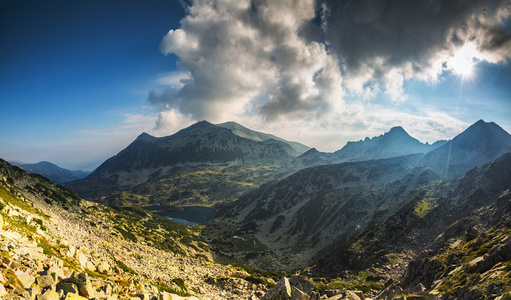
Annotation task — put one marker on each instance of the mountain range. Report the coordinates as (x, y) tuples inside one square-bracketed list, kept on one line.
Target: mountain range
[(52, 171), (190, 166), (434, 219), (201, 164)]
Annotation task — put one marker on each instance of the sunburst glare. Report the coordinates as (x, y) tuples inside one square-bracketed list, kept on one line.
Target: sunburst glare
[(462, 62)]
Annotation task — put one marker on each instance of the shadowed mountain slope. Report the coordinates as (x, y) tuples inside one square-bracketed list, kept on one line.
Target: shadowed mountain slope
[(479, 144), (244, 132)]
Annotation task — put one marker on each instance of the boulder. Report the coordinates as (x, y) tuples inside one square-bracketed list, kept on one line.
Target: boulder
[(26, 280), (82, 259), (103, 267), (470, 234), (297, 294), (281, 291), (168, 296), (301, 283), (49, 295), (84, 286), (67, 287), (3, 292), (57, 272), (91, 266), (73, 296), (44, 281), (71, 251)]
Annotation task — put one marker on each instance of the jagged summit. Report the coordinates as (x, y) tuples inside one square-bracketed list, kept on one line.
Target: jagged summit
[(397, 130), (395, 142), (480, 143)]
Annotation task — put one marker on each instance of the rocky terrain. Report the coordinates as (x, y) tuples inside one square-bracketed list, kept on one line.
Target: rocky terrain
[(396, 142), (56, 246), (244, 132)]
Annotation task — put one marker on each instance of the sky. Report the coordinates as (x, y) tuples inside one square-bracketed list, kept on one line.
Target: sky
[(80, 80)]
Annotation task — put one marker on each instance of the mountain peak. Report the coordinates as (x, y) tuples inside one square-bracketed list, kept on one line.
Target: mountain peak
[(479, 144), (397, 130), (144, 136)]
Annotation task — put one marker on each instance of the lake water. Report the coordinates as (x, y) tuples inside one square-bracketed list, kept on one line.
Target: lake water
[(190, 215)]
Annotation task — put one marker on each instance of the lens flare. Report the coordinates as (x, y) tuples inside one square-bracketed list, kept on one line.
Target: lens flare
[(462, 62)]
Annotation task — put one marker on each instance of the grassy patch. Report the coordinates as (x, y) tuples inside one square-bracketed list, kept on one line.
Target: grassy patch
[(422, 208), (125, 268), (163, 287)]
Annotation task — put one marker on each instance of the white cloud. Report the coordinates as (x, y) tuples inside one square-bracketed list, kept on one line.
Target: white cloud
[(169, 122), (244, 56), (173, 79)]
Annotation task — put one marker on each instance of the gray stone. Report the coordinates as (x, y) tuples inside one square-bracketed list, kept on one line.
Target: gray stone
[(67, 287), (45, 280), (301, 283), (26, 280), (73, 296), (82, 259), (168, 296), (297, 294), (103, 267), (49, 295), (281, 291), (57, 271), (84, 285), (3, 292)]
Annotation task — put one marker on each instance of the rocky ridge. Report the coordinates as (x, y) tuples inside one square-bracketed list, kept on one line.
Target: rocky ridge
[(63, 251)]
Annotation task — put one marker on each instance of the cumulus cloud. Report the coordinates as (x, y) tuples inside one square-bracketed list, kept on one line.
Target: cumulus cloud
[(169, 122), (247, 56)]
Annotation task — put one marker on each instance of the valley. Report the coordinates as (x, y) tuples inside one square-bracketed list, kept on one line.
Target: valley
[(382, 218)]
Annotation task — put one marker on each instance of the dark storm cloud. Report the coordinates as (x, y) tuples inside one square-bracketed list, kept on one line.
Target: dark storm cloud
[(292, 59), (375, 37)]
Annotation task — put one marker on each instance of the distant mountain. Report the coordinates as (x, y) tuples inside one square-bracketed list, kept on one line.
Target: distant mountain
[(394, 143), (244, 132), (202, 142), (52, 171), (479, 144), (199, 164)]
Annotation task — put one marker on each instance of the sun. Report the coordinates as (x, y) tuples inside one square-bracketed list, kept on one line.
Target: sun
[(462, 62)]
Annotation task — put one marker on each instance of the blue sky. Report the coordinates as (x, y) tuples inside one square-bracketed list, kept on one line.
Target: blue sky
[(79, 80)]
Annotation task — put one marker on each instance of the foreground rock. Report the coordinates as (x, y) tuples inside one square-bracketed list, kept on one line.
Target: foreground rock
[(56, 246)]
